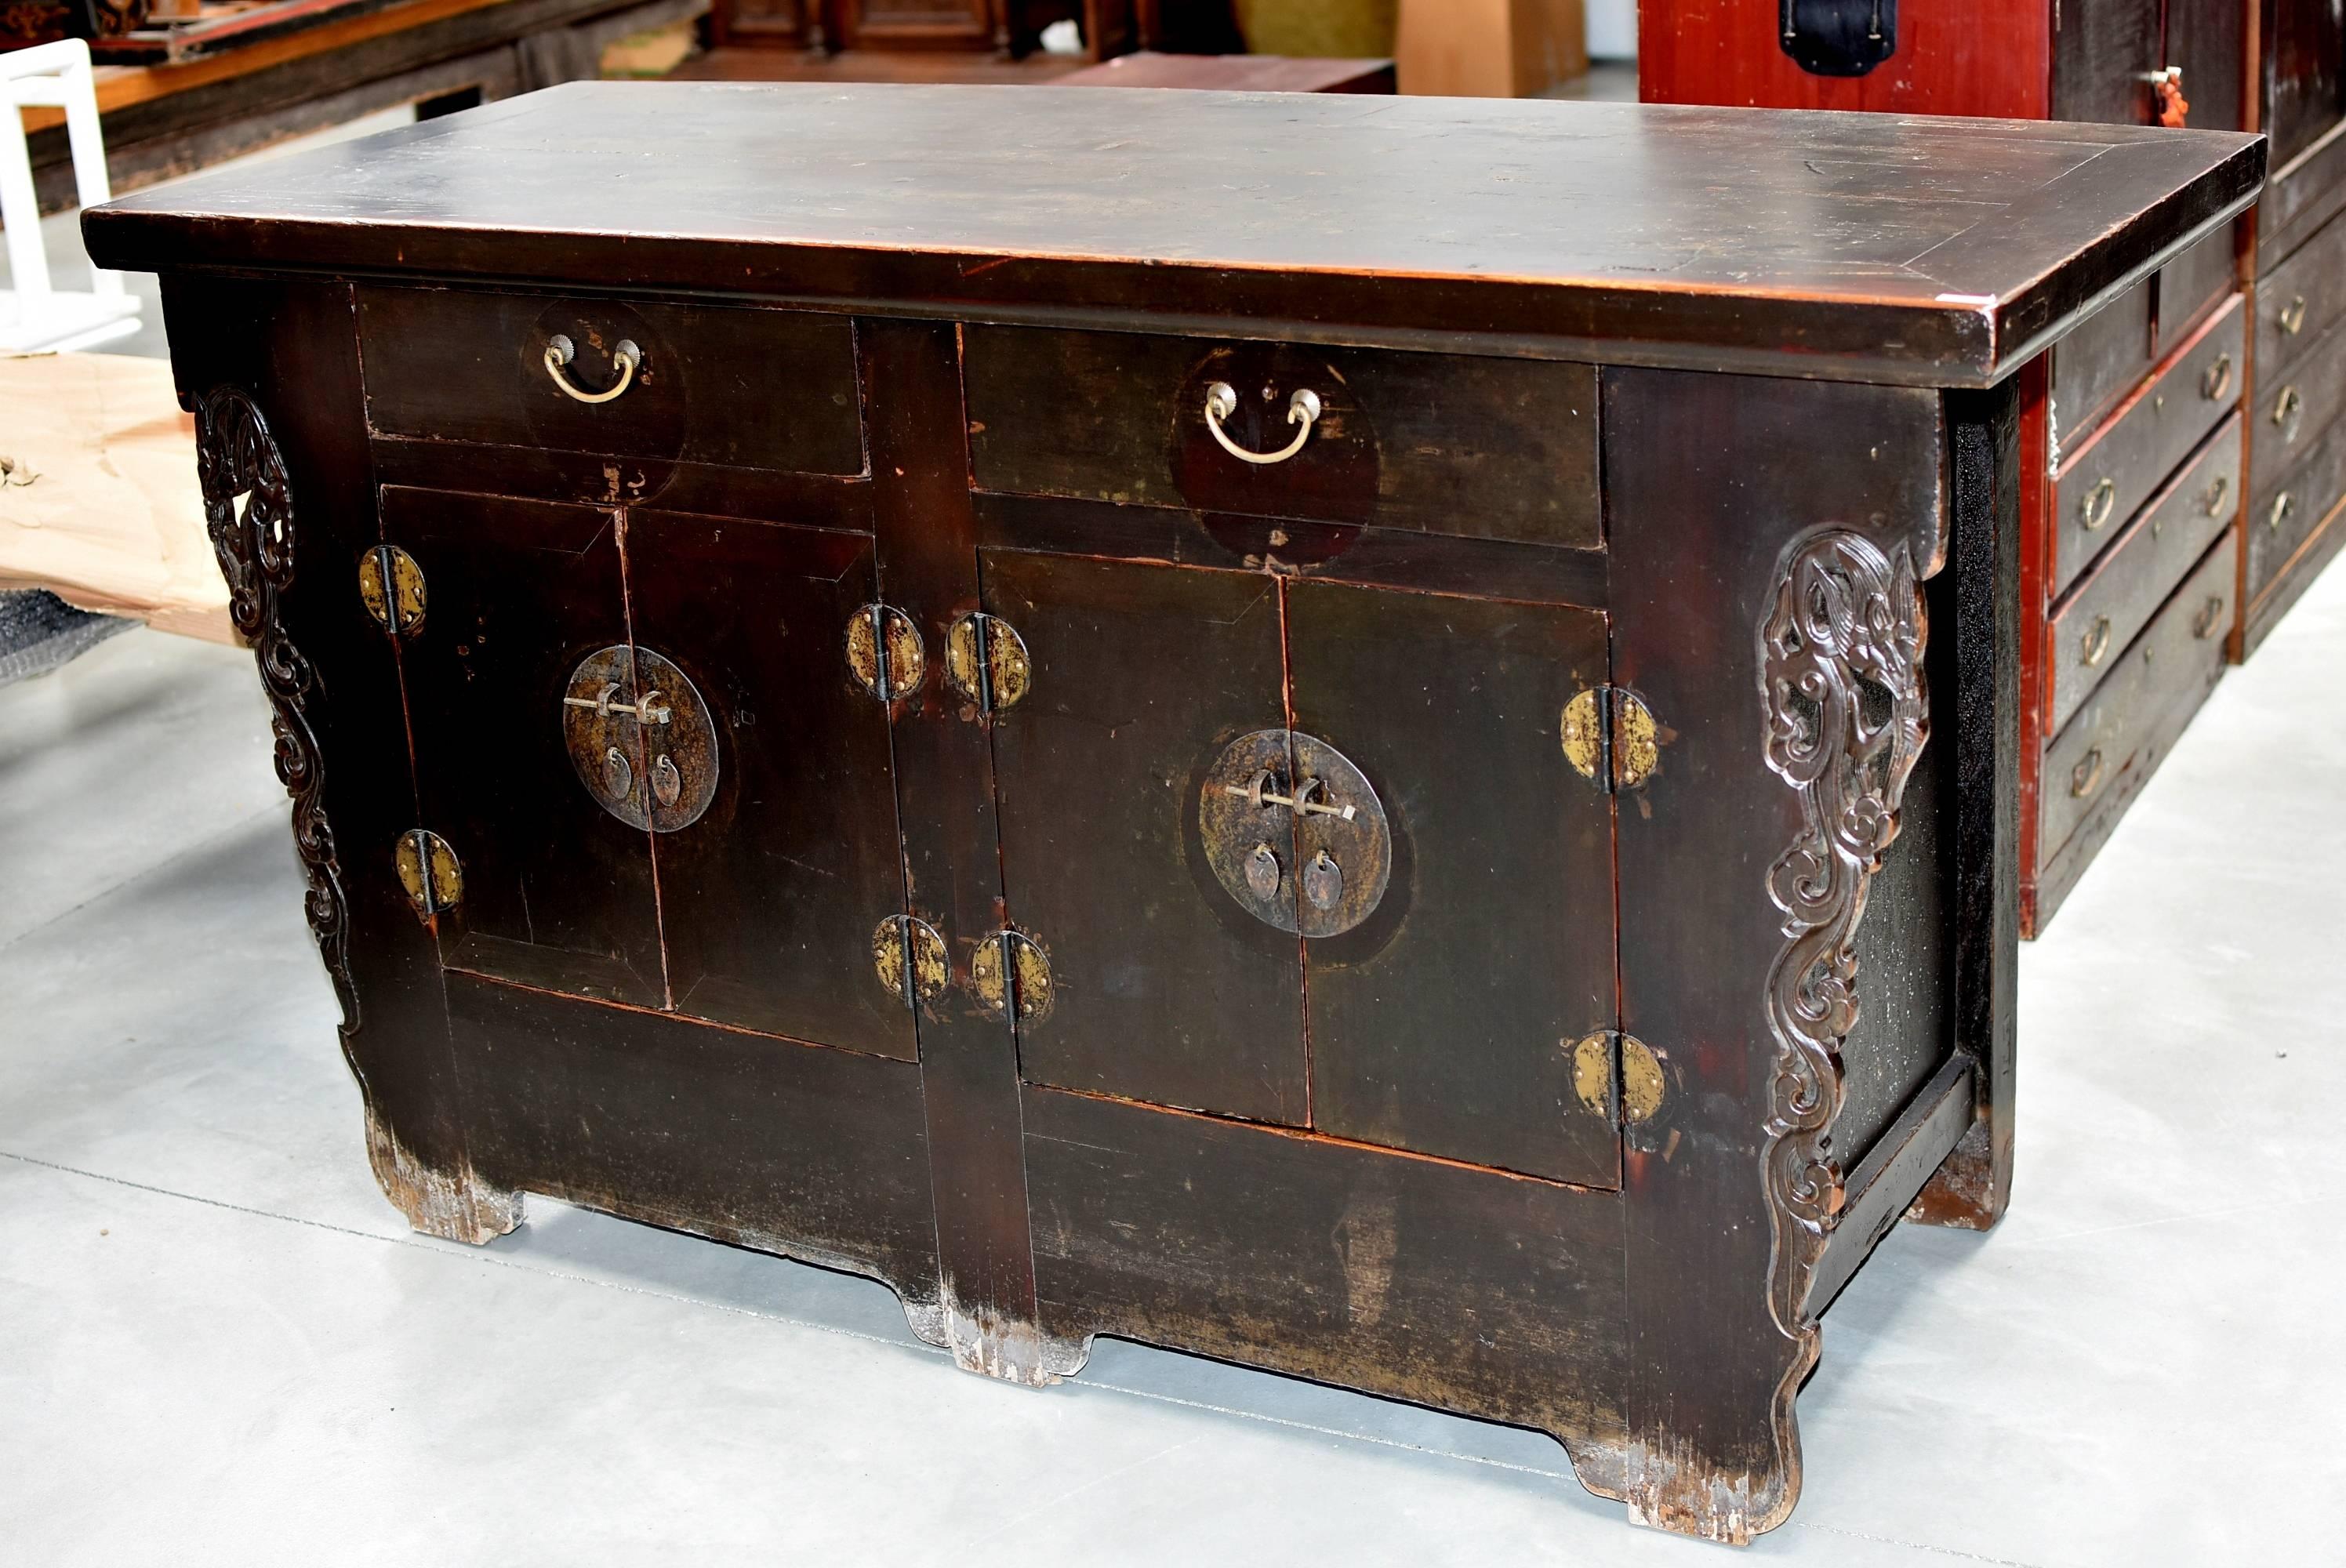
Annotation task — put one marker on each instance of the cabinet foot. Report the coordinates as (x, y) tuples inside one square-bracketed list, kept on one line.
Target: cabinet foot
[(1968, 1191), (1680, 1491), (455, 1206), (988, 1342)]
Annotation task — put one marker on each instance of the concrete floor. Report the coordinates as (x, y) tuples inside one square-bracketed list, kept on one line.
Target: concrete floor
[(222, 1345)]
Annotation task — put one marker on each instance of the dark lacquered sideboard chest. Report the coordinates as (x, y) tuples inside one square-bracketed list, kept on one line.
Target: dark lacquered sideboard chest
[(1375, 738)]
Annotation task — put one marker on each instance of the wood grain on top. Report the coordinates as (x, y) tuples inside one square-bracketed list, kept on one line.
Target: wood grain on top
[(1882, 248)]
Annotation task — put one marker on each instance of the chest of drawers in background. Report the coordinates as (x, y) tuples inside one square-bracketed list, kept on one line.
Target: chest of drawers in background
[(1392, 763), (2219, 384)]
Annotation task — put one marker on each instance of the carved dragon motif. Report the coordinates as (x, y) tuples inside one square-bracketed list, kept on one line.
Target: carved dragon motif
[(1840, 674)]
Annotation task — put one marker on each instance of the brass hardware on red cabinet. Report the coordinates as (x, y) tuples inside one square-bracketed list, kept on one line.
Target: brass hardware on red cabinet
[(2086, 776), (2292, 316), (1617, 1076), (1610, 737), (2097, 645), (2216, 379), (2286, 408), (2213, 502), (2278, 513), (2204, 624), (2093, 508)]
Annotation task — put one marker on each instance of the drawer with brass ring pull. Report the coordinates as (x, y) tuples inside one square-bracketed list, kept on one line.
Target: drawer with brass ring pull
[(1318, 434), (2146, 694), (2297, 407), (2124, 586), (2105, 477), (2300, 300), (2284, 516), (735, 386)]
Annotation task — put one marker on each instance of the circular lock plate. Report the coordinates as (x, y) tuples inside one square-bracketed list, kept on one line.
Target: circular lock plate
[(1316, 873), (667, 773)]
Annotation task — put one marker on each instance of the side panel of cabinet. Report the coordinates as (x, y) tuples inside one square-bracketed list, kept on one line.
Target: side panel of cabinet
[(557, 893), (1165, 989), (1445, 1022), (2104, 52), (769, 900), (2305, 74)]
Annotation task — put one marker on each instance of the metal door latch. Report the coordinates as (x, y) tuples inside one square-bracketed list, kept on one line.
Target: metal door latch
[(1330, 821), (1838, 38), (641, 737)]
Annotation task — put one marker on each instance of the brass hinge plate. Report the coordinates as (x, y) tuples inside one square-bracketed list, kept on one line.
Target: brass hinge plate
[(886, 654), (1617, 1076), (909, 957), (1610, 737), (1010, 968), (429, 872), (390, 586), (987, 662)]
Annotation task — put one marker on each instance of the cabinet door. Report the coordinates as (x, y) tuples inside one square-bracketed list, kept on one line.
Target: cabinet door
[(557, 892), (1446, 1022), (2204, 41), (1142, 676), (2305, 72), (769, 896)]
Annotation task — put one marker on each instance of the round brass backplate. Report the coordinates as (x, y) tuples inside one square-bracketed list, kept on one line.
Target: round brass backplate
[(1027, 977), (909, 957), (1314, 858), (987, 662), (390, 586), (428, 871), (1641, 1076), (640, 738), (884, 652)]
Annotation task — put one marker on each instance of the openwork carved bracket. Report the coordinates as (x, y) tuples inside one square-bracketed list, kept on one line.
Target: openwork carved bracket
[(1840, 676), (249, 512)]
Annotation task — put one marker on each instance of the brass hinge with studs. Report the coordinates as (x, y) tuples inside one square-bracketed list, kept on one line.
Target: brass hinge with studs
[(987, 662), (1610, 737), (390, 586), (429, 872), (1011, 975), (886, 654), (1617, 1076), (909, 957)]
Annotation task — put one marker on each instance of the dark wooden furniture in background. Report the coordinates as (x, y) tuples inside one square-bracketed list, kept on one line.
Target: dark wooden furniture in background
[(2135, 457), (1011, 26), (1234, 74), (343, 63), (1396, 764)]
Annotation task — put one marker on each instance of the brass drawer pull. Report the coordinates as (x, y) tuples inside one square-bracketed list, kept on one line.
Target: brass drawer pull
[(2292, 317), (2097, 641), (2214, 504), (2086, 776), (2203, 624), (2285, 407), (2278, 513), (2216, 379), (1222, 401), (2096, 504), (560, 350), (650, 710), (1257, 794)]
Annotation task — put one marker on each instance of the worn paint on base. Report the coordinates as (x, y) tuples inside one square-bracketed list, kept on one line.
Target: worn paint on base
[(454, 1208)]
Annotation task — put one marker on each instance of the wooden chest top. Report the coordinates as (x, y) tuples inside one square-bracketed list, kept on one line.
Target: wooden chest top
[(1901, 249)]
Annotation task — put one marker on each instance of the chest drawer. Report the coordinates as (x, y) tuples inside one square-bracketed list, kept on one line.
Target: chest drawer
[(2112, 601), (708, 383), (2299, 301), (2112, 744), (2120, 466), (1489, 448), (2282, 518), (2296, 407)]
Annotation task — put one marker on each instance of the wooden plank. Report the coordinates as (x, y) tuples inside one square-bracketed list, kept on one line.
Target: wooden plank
[(99, 503), (1235, 74), (1887, 1179)]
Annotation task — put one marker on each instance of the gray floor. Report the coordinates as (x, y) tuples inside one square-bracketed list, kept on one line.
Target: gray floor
[(222, 1345)]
